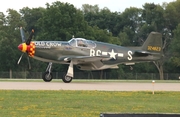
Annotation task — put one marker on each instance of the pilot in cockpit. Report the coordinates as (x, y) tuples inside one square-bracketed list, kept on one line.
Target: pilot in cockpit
[(81, 43)]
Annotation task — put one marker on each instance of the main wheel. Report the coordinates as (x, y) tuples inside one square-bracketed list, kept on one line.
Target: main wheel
[(47, 77), (67, 79)]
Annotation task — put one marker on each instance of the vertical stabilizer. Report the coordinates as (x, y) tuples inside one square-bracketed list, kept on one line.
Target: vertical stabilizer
[(153, 43)]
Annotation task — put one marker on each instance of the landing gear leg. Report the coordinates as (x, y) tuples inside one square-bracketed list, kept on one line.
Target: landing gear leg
[(68, 77), (47, 76)]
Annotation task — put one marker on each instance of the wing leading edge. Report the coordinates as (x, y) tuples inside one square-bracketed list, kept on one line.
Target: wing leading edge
[(90, 62)]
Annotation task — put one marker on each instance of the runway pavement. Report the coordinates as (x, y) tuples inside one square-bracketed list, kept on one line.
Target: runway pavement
[(100, 86)]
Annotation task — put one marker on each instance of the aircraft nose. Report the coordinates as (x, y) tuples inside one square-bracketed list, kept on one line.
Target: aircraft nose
[(22, 47), (29, 49)]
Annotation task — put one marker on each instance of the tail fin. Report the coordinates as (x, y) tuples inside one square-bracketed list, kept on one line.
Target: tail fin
[(153, 43)]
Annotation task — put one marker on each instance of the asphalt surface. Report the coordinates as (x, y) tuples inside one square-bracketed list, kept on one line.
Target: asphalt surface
[(100, 86)]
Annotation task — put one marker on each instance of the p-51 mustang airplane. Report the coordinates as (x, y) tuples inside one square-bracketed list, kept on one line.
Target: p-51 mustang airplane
[(89, 55)]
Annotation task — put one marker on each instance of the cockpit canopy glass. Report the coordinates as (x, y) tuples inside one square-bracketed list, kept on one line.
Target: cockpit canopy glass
[(80, 42)]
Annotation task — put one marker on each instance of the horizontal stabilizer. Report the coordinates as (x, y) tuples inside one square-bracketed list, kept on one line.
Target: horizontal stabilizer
[(114, 67), (129, 63), (142, 53)]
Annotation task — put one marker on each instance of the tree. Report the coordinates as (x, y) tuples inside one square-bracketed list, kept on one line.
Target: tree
[(10, 40), (172, 15), (175, 47), (86, 8), (31, 17), (61, 21), (155, 20), (2, 23), (102, 18), (131, 24)]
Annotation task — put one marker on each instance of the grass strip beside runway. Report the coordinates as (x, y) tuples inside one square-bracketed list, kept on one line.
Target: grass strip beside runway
[(21, 103)]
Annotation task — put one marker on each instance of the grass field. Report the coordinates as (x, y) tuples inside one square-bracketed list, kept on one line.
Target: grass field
[(26, 103)]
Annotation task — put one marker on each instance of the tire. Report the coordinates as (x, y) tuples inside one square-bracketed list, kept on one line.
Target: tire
[(67, 79), (47, 78)]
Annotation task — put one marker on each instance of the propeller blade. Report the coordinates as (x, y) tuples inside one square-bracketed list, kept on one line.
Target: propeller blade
[(22, 35), (20, 58), (28, 41), (29, 62)]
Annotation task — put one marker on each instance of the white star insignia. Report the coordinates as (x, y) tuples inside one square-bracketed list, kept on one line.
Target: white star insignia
[(112, 54)]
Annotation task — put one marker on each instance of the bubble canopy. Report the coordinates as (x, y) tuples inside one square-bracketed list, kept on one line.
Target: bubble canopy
[(81, 42)]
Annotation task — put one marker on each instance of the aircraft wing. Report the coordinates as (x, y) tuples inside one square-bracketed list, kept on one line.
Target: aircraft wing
[(90, 62), (86, 59)]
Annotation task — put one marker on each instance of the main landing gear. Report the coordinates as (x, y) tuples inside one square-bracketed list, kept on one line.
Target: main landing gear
[(47, 76), (68, 77)]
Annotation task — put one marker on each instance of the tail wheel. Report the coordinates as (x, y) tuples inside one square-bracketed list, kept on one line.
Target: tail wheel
[(47, 77), (67, 79)]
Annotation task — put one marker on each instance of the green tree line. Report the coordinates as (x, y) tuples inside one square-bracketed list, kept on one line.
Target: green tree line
[(60, 21)]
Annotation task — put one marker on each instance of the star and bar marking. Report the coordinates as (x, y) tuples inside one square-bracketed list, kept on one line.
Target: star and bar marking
[(112, 54)]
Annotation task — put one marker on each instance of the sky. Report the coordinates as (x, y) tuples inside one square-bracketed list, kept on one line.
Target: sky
[(113, 5)]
